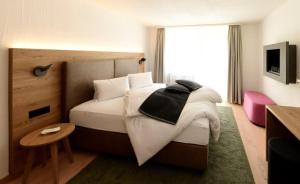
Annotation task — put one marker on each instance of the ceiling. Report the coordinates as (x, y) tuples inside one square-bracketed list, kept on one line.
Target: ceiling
[(192, 12)]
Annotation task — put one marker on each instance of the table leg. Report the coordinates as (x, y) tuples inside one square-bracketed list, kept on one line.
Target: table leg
[(44, 155), (28, 165), (54, 160), (68, 149)]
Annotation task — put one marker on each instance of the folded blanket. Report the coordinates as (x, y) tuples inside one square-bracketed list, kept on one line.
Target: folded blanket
[(164, 105)]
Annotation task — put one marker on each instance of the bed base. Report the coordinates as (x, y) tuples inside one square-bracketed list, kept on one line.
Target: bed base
[(178, 154)]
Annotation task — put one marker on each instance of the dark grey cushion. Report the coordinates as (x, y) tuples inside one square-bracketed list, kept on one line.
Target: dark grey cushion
[(177, 88), (191, 85)]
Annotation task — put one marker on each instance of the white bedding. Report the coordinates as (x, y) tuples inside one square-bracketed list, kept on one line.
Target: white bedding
[(198, 118), (148, 136), (108, 115)]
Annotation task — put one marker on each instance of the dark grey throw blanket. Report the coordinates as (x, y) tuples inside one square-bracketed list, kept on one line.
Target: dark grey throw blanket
[(164, 105)]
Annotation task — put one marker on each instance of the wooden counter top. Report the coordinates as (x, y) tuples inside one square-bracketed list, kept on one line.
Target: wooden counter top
[(289, 117)]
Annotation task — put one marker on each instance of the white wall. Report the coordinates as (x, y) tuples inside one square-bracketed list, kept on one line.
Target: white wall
[(250, 60), (57, 24), (282, 25)]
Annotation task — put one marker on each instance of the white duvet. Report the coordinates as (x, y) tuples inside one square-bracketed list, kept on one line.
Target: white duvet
[(148, 136)]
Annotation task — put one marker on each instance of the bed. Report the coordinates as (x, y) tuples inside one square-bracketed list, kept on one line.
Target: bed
[(110, 113), (100, 125)]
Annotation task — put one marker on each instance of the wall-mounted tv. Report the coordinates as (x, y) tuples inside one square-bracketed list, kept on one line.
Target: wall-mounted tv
[(280, 62)]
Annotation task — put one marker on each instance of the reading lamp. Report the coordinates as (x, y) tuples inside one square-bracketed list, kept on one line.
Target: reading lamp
[(142, 60), (41, 70)]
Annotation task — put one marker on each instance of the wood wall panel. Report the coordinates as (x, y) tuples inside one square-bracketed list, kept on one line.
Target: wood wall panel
[(27, 92)]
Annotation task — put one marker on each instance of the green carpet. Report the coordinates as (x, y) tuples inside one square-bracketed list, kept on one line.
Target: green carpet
[(227, 164)]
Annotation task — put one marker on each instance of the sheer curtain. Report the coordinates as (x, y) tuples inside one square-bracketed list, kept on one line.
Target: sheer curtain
[(199, 53)]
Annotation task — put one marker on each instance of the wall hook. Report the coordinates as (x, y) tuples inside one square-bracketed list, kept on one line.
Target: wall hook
[(41, 70)]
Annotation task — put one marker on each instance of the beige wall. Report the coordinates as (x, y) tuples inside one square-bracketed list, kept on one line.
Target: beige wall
[(251, 61), (57, 24), (282, 25)]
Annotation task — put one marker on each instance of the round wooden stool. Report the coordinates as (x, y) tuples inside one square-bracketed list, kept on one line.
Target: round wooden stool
[(36, 139)]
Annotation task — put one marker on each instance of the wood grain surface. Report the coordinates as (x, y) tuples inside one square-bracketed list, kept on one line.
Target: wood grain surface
[(35, 138), (288, 116), (28, 92)]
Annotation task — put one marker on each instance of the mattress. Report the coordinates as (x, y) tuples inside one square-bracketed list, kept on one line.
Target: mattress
[(108, 116)]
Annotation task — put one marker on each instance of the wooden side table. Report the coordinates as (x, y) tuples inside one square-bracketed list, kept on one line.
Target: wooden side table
[(36, 139)]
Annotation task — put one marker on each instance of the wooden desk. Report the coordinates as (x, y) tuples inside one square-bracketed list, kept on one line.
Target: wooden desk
[(282, 121), (35, 139)]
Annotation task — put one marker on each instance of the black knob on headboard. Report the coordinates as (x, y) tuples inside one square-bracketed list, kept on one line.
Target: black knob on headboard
[(41, 70)]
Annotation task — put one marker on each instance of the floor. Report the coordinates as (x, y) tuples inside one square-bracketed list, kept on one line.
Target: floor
[(44, 175), (253, 138)]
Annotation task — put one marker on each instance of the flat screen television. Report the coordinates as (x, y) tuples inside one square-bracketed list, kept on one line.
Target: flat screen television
[(280, 62)]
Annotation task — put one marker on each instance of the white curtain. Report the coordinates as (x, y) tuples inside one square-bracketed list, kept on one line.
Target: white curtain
[(198, 53)]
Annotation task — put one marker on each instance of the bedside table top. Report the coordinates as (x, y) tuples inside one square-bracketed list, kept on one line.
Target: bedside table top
[(35, 138)]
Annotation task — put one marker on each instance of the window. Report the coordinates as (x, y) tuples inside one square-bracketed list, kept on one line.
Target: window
[(198, 53)]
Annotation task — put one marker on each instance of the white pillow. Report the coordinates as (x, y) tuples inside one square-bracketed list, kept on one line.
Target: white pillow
[(110, 88), (140, 80)]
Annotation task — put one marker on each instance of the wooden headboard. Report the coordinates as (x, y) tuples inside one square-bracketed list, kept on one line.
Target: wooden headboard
[(28, 93)]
